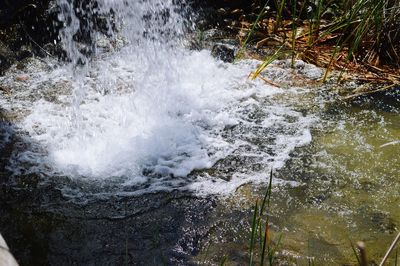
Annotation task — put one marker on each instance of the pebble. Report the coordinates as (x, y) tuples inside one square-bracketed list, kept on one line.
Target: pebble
[(22, 78)]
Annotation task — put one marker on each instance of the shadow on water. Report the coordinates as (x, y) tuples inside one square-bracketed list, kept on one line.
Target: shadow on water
[(386, 101), (43, 227)]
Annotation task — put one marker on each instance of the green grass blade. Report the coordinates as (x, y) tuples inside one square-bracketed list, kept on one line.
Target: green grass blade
[(224, 260), (267, 61), (253, 28), (253, 234), (273, 250), (267, 196), (265, 243)]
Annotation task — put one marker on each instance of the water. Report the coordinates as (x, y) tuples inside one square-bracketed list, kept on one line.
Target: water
[(139, 139), (151, 112), (348, 191)]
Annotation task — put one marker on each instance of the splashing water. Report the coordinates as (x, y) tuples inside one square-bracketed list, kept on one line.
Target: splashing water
[(152, 112)]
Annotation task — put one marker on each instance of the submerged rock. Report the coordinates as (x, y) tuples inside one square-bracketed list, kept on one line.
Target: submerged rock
[(223, 52)]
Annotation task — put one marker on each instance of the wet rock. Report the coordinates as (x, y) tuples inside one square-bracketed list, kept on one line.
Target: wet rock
[(223, 52), (31, 64), (26, 27), (7, 57), (25, 52), (222, 11), (311, 72)]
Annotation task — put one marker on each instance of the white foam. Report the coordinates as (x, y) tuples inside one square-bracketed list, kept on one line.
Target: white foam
[(165, 122), (150, 114)]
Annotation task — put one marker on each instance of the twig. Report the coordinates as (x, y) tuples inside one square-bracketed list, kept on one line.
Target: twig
[(390, 143), (392, 246), (370, 92), (33, 41), (269, 82)]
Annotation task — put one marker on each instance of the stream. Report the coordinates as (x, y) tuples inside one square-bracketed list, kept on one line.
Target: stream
[(142, 151)]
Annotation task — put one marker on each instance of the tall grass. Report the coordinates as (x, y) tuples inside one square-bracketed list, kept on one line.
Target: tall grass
[(279, 4), (360, 31), (294, 31), (251, 31), (361, 24), (315, 22)]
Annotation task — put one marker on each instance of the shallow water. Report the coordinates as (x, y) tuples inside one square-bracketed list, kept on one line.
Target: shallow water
[(348, 191)]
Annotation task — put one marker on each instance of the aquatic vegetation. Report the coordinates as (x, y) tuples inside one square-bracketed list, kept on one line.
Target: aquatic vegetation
[(264, 247)]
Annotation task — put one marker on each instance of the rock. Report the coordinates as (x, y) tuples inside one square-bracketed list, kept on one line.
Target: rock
[(222, 12), (7, 57), (24, 52), (28, 28), (311, 72), (6, 258), (223, 52)]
